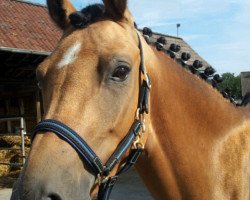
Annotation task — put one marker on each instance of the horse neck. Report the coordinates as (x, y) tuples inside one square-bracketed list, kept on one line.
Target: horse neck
[(187, 118)]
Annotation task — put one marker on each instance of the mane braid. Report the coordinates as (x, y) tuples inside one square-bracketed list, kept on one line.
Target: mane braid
[(207, 74), (94, 12), (88, 15)]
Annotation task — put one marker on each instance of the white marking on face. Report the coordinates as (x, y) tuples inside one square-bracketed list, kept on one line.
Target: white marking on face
[(70, 55)]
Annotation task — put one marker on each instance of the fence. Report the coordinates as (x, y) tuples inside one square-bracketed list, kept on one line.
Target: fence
[(22, 132)]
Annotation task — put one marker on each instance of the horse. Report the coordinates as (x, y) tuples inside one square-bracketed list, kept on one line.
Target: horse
[(196, 144)]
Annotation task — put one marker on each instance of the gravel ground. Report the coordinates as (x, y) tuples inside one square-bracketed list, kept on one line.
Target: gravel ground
[(5, 194), (129, 186)]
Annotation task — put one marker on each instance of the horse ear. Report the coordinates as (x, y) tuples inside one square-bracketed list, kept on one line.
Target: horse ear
[(59, 11), (117, 9)]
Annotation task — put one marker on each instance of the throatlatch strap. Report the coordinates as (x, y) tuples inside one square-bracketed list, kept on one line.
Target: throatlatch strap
[(142, 67), (143, 99)]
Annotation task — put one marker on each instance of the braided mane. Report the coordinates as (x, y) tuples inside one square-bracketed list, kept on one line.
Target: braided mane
[(206, 73), (88, 15), (95, 12)]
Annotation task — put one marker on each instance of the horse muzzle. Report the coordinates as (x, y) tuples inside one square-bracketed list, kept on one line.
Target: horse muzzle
[(55, 174), (30, 189)]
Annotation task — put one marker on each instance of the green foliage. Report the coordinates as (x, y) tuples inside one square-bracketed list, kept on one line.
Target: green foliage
[(233, 83)]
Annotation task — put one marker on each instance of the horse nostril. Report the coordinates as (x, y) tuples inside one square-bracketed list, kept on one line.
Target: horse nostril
[(54, 197)]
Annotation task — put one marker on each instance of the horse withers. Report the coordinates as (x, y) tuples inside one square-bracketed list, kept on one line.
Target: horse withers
[(196, 143)]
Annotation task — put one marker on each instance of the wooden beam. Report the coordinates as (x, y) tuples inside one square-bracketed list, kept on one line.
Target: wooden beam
[(38, 107), (12, 81), (14, 50), (7, 112), (25, 57), (19, 93), (21, 107)]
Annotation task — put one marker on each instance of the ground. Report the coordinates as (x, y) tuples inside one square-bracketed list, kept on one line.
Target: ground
[(129, 186)]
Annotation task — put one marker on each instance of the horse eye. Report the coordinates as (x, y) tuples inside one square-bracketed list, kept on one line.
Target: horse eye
[(120, 73)]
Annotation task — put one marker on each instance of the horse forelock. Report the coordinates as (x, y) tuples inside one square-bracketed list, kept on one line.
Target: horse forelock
[(87, 15)]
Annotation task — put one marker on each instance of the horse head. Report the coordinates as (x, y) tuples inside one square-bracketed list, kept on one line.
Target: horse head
[(91, 83)]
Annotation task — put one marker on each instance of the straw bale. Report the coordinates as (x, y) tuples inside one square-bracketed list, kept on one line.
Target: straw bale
[(10, 141), (11, 156)]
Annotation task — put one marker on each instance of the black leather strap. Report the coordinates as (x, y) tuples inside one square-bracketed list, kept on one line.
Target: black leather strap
[(146, 83), (84, 149), (107, 185), (123, 146), (142, 66), (143, 100), (73, 139), (133, 157)]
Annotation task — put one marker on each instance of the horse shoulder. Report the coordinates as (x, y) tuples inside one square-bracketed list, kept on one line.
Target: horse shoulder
[(232, 164)]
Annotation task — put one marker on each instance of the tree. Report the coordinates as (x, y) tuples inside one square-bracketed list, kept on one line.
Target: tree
[(233, 83)]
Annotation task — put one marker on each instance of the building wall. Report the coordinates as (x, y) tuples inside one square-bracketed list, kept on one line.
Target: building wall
[(245, 82), (15, 107)]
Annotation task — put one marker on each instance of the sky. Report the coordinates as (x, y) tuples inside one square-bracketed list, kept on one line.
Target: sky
[(218, 30)]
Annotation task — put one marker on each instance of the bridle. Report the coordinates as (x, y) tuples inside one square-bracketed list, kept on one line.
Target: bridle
[(88, 155), (133, 138)]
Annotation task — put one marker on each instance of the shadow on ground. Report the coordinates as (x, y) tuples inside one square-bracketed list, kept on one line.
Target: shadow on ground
[(7, 181), (130, 186)]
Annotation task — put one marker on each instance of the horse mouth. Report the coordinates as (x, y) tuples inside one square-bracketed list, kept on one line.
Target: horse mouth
[(54, 197)]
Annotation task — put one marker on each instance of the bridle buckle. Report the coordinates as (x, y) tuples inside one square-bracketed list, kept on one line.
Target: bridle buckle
[(147, 79), (141, 117), (137, 144)]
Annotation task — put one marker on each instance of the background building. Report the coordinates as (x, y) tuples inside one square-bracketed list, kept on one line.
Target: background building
[(245, 83), (27, 36)]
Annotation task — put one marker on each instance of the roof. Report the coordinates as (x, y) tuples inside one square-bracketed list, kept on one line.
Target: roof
[(33, 31), (26, 26)]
